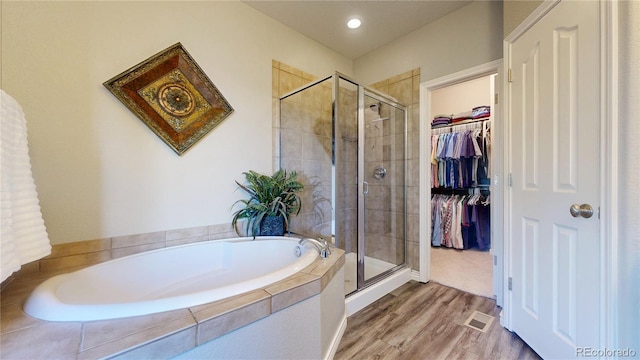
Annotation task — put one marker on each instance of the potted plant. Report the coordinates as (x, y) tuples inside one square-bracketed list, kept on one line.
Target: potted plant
[(272, 200)]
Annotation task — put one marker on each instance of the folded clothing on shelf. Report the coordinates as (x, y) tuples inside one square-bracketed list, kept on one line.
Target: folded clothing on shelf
[(466, 115), (441, 119), (481, 112)]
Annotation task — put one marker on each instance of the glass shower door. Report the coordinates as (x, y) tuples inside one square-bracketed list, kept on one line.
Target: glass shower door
[(347, 144), (382, 202)]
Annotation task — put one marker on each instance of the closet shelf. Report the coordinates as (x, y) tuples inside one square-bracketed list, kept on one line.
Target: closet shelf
[(470, 121)]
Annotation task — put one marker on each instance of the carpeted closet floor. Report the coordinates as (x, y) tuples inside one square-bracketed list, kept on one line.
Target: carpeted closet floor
[(468, 270)]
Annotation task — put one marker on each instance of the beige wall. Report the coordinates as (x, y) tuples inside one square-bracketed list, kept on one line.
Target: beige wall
[(99, 170), (461, 97), (464, 38), (515, 11)]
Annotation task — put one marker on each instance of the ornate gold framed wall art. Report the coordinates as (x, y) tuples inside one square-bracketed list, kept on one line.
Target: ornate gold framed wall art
[(171, 94)]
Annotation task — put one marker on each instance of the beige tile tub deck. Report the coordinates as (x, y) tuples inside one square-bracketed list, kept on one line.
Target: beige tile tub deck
[(159, 335), (292, 290), (218, 318)]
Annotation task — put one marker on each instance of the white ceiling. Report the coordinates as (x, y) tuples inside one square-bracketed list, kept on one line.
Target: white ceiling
[(382, 20)]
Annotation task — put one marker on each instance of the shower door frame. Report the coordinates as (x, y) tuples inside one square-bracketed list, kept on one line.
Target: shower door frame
[(362, 282)]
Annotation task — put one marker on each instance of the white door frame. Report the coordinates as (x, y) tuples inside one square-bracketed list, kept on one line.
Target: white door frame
[(426, 88), (608, 158)]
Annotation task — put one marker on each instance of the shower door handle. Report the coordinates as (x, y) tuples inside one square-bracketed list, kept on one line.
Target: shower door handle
[(365, 187)]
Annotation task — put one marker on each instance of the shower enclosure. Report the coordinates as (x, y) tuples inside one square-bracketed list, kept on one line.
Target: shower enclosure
[(348, 144)]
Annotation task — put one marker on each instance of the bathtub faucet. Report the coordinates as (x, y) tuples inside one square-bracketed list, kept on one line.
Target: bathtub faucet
[(326, 245), (321, 245)]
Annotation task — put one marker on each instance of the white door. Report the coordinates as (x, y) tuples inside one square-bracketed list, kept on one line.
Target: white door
[(555, 108)]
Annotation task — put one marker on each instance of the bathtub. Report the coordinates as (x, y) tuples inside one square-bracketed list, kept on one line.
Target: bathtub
[(168, 279)]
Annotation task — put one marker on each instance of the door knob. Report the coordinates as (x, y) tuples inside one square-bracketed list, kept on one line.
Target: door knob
[(584, 210)]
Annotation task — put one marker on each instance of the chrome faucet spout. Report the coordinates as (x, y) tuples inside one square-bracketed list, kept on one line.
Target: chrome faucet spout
[(323, 248)]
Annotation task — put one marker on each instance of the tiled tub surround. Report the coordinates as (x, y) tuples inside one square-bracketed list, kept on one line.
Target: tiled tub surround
[(169, 333), (89, 252), (310, 329), (174, 278)]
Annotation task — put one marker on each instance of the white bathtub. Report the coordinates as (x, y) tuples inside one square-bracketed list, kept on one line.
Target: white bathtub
[(168, 279)]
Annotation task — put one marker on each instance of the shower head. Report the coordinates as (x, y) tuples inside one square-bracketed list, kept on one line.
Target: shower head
[(375, 122)]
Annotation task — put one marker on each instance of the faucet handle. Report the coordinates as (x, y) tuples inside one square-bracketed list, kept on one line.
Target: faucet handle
[(326, 245)]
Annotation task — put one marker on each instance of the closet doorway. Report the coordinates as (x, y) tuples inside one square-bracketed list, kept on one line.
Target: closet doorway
[(461, 177)]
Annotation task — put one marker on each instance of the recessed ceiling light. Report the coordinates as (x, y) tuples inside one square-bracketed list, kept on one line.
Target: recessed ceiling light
[(354, 23)]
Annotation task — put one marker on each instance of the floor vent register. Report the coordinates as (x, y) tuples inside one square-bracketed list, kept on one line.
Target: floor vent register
[(479, 321)]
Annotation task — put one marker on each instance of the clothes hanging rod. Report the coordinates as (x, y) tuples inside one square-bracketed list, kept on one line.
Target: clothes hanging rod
[(466, 125)]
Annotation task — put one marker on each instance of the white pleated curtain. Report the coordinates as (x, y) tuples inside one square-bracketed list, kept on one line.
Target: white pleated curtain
[(23, 236)]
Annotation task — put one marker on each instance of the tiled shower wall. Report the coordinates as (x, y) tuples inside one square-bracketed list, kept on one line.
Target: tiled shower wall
[(308, 147), (405, 88), (385, 211), (304, 132)]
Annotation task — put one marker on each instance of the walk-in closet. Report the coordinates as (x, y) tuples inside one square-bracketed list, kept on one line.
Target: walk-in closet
[(460, 197)]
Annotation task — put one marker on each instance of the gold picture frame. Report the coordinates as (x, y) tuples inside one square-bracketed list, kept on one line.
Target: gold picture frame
[(171, 94)]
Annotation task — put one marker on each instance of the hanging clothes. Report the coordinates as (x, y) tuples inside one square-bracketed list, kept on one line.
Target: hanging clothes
[(459, 159), (459, 169), (460, 221)]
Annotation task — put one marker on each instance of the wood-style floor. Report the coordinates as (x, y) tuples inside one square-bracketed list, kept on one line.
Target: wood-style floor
[(426, 321)]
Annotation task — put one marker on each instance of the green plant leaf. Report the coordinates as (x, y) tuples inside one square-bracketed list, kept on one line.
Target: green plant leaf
[(275, 195)]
